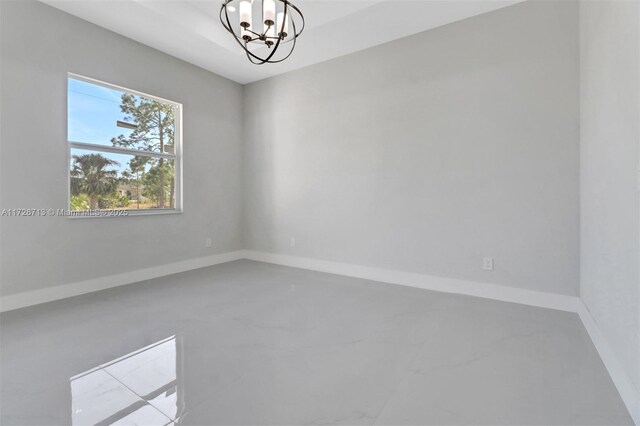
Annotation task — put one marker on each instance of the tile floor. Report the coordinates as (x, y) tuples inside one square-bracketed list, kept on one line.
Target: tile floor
[(251, 343)]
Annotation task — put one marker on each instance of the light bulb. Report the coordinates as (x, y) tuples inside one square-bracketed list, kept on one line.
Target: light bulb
[(283, 31), (269, 12), (245, 14)]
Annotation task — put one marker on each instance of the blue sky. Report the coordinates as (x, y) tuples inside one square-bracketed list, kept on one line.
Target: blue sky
[(93, 111)]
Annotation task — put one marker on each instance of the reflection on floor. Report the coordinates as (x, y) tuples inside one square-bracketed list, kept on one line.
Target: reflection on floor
[(110, 393), (251, 343)]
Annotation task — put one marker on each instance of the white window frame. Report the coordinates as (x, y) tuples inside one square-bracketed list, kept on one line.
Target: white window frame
[(176, 156)]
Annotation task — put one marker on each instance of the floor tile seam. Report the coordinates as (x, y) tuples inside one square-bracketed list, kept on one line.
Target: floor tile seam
[(138, 395)]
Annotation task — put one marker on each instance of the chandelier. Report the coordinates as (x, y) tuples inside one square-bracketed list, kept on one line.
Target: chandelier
[(268, 40)]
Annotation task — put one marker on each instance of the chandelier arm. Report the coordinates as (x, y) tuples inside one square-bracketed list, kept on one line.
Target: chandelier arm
[(276, 61), (266, 30), (293, 46)]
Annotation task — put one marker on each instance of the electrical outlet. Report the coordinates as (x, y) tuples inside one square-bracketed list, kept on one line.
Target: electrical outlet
[(487, 263), (209, 243), (292, 243)]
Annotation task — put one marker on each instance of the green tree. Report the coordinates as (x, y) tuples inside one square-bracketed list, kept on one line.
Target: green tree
[(137, 165), (156, 183), (79, 202), (90, 176), (153, 131)]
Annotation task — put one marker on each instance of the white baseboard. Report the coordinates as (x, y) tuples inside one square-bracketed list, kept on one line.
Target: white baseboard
[(490, 291), (29, 298), (428, 282), (629, 394)]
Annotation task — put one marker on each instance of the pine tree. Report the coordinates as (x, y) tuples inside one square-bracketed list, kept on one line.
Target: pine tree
[(154, 131)]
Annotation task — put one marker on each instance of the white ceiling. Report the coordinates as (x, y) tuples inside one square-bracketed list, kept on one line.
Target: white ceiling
[(191, 30)]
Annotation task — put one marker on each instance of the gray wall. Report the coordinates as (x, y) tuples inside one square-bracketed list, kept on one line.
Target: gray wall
[(610, 137), (428, 153), (39, 46)]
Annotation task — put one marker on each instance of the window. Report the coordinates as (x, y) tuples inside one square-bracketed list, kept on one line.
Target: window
[(124, 149)]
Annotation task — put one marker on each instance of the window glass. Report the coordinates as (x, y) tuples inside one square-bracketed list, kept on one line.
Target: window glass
[(123, 148)]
